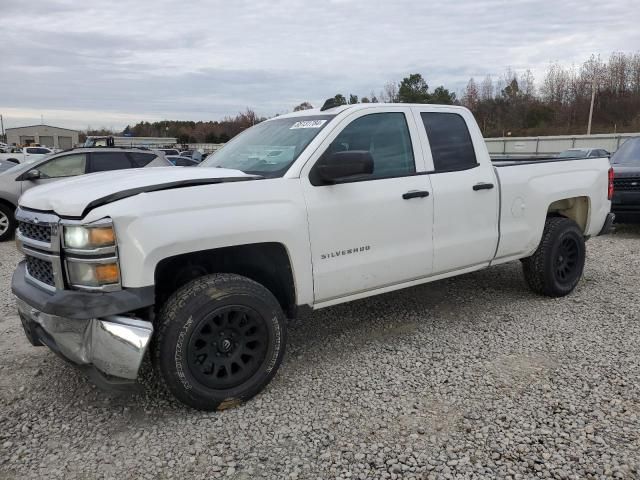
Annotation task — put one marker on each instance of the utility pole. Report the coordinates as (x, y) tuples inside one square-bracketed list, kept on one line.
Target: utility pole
[(593, 97), (2, 125)]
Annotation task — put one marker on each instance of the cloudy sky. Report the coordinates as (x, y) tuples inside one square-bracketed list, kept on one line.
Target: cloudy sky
[(83, 63)]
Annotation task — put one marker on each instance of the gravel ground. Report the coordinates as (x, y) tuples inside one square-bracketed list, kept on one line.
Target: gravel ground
[(472, 377)]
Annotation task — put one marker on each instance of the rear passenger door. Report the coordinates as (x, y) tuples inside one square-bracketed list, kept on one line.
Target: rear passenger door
[(465, 190)]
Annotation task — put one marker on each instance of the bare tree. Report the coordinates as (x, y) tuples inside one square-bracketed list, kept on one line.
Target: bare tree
[(389, 93), (528, 84), (556, 84), (471, 96), (486, 88), (634, 74)]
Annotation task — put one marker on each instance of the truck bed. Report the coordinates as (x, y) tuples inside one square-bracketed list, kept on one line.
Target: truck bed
[(527, 193), (511, 161)]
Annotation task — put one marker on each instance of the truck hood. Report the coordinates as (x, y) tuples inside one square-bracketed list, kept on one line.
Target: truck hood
[(75, 197)]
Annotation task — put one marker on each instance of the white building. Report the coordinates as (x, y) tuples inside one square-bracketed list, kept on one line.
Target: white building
[(45, 135)]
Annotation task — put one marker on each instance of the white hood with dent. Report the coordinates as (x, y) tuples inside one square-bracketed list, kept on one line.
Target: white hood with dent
[(71, 196)]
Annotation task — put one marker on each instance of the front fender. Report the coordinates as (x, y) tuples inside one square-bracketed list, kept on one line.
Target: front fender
[(153, 226)]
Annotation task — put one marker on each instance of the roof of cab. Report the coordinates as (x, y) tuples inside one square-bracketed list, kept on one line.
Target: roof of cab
[(360, 106)]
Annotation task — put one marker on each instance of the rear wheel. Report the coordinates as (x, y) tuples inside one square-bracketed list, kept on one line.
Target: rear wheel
[(7, 223), (556, 266), (220, 340)]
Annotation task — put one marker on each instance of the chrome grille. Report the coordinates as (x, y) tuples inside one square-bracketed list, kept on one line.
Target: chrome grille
[(40, 270), (41, 233), (38, 237), (627, 183)]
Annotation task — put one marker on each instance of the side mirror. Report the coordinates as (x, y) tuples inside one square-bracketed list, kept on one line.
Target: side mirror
[(342, 166), (33, 174)]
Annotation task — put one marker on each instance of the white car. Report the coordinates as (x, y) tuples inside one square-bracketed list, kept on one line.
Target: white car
[(27, 154), (305, 210)]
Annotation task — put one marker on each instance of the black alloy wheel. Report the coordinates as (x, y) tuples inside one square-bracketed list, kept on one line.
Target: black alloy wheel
[(555, 268), (227, 346), (219, 341), (567, 260)]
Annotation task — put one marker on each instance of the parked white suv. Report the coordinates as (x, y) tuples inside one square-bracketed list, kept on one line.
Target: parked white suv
[(26, 154), (305, 210)]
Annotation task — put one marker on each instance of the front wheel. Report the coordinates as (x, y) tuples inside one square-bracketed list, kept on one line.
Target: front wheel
[(556, 266), (220, 340)]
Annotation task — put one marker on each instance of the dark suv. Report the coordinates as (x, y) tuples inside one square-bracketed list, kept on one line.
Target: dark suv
[(70, 163), (626, 167)]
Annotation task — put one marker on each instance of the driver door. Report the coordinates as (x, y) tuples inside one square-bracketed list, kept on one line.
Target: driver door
[(373, 231)]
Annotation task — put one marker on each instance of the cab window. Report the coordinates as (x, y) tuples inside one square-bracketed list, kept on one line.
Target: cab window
[(450, 141), (386, 137)]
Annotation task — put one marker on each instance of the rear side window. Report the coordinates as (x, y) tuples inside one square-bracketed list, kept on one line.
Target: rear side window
[(451, 145), (384, 135), (38, 151), (106, 161), (142, 159)]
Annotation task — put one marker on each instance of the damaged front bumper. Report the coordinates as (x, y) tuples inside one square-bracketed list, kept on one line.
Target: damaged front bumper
[(91, 330), (110, 349)]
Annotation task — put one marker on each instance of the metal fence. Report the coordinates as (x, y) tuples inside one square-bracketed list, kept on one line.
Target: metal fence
[(205, 147), (546, 146), (514, 146)]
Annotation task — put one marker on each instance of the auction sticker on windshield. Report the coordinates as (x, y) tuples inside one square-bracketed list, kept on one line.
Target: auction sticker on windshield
[(308, 124)]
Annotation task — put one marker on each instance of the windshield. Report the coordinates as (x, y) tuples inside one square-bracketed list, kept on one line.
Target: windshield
[(269, 148), (628, 153), (572, 154)]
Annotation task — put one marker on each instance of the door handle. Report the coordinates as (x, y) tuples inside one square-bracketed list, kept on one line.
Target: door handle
[(483, 186), (415, 194)]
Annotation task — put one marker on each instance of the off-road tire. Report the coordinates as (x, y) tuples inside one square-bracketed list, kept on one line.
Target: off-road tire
[(10, 222), (544, 271), (193, 309)]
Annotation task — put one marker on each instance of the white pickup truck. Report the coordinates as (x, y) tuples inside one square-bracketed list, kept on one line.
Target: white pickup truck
[(309, 209), (26, 154)]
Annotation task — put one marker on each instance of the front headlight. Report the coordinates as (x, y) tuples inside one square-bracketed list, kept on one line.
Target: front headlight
[(93, 275), (91, 256), (88, 237)]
